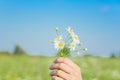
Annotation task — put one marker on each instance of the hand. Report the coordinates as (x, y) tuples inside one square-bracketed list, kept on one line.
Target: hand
[(65, 69)]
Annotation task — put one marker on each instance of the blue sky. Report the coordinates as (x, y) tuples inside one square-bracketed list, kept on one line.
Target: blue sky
[(31, 24)]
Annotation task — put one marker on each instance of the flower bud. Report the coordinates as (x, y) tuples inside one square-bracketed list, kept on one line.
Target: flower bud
[(56, 28), (85, 49)]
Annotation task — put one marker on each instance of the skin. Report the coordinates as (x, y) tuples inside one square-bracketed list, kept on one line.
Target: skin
[(65, 69)]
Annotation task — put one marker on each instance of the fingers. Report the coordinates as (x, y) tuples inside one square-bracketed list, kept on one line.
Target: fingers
[(62, 66), (61, 74), (68, 62), (56, 78), (65, 69)]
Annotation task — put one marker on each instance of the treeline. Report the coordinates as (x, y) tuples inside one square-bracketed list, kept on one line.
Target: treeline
[(18, 50), (112, 55), (115, 55)]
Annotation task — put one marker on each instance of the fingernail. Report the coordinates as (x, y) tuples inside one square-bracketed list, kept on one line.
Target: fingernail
[(50, 66), (51, 72), (55, 60)]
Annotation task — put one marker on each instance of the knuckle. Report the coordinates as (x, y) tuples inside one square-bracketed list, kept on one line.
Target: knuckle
[(56, 60), (58, 72), (60, 65)]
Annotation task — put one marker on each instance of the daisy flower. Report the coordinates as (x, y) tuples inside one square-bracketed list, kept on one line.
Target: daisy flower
[(70, 31), (59, 45), (72, 46), (70, 43), (75, 39)]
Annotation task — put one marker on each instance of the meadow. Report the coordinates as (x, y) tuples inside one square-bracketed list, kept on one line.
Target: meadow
[(36, 67)]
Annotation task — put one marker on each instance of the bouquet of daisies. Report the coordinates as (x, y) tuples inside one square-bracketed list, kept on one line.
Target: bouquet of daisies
[(70, 44)]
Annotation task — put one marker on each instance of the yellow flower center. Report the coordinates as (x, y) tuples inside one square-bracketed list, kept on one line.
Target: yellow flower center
[(72, 45), (60, 44), (75, 37), (71, 31)]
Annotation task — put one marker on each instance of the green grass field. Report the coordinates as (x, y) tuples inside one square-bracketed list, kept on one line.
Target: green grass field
[(36, 68)]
